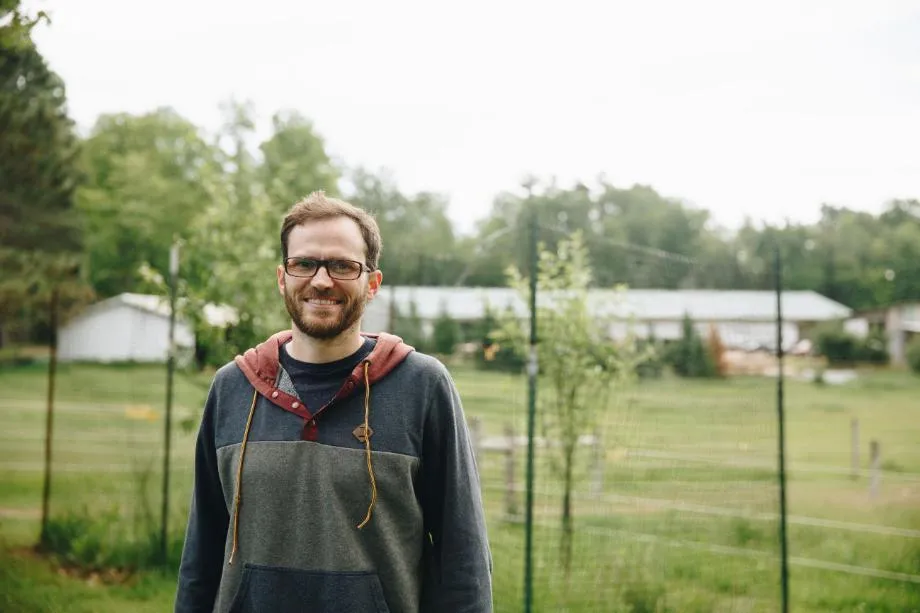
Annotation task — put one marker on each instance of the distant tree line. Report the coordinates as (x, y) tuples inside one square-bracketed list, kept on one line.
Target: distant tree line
[(93, 217)]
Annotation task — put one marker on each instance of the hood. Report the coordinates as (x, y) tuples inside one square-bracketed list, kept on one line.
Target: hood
[(261, 364)]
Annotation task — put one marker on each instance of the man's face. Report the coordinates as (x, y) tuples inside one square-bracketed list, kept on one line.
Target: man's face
[(322, 307)]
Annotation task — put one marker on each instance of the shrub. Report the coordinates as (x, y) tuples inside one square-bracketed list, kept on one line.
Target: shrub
[(873, 349), (446, 334), (689, 356), (837, 345), (913, 355)]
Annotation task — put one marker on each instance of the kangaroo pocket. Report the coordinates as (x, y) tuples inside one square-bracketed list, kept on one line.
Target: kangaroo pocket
[(290, 590)]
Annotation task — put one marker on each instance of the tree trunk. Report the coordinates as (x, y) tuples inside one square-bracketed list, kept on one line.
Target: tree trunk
[(567, 526)]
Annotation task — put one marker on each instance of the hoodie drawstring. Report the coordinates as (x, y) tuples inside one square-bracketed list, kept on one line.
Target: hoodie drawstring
[(239, 479), (238, 498), (367, 443)]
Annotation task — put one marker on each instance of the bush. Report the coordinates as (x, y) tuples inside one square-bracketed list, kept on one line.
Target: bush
[(913, 355), (446, 334), (837, 345), (873, 349), (689, 356), (842, 348)]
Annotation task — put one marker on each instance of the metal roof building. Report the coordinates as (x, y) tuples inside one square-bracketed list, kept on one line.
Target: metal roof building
[(744, 317)]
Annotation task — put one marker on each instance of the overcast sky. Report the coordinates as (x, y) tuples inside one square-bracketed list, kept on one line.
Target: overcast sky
[(764, 109)]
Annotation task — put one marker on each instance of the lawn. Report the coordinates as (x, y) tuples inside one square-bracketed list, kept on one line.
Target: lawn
[(675, 509)]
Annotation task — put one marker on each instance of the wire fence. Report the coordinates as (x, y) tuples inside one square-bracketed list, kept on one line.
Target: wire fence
[(673, 496)]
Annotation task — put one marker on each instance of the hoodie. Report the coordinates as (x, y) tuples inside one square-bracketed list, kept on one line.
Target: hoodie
[(369, 503)]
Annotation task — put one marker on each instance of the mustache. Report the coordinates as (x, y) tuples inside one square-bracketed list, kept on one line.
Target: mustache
[(322, 295)]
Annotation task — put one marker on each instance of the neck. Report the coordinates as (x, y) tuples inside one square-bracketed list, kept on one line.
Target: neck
[(318, 351)]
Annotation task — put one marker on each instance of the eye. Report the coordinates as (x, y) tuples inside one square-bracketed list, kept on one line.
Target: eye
[(304, 265), (343, 267)]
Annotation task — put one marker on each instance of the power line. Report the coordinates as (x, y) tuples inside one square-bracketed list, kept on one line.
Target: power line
[(659, 253)]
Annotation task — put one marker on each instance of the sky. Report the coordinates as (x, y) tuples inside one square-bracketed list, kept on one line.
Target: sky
[(765, 110)]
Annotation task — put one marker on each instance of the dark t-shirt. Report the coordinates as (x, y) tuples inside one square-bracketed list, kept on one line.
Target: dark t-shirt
[(317, 384)]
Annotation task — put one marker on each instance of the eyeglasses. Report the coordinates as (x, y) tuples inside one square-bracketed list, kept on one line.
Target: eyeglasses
[(343, 270)]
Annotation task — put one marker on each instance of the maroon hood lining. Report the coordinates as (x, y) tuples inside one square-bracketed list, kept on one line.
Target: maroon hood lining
[(261, 365)]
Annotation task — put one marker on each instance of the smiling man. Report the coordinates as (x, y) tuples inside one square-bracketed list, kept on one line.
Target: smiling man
[(333, 469)]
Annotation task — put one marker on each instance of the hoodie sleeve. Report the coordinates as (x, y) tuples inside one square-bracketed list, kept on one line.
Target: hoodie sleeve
[(458, 560), (203, 552)]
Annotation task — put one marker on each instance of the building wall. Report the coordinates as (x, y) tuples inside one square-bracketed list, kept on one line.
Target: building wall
[(734, 334), (376, 316), (120, 333)]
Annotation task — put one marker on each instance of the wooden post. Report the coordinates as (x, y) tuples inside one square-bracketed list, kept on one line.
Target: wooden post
[(875, 475), (854, 448), (511, 509), (49, 416), (598, 459)]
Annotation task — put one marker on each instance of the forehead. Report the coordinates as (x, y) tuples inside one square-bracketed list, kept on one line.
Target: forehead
[(336, 237)]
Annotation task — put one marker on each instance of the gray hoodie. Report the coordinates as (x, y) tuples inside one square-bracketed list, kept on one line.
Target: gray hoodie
[(295, 509)]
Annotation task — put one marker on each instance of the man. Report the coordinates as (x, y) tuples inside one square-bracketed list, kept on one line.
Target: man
[(333, 469)]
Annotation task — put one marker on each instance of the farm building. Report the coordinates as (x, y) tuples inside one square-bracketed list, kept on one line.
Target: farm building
[(899, 323), (129, 327), (745, 319)]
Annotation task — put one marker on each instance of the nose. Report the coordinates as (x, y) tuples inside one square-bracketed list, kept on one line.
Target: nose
[(322, 280)]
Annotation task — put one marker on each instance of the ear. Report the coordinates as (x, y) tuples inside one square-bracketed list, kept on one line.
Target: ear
[(374, 279), (280, 273)]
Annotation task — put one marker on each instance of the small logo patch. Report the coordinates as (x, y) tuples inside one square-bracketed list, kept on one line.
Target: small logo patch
[(359, 433)]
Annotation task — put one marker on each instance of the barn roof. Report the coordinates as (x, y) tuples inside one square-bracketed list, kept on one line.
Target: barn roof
[(215, 315), (468, 303)]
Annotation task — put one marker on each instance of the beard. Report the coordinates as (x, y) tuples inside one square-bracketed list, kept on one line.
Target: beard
[(329, 325)]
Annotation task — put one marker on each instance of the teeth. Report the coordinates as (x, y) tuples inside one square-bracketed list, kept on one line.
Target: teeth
[(320, 301)]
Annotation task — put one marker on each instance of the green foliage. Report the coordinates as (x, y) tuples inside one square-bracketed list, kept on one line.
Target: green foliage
[(409, 327), (446, 334), (837, 345), (40, 234), (147, 179), (493, 354), (295, 162), (873, 349), (842, 348), (419, 246), (690, 356), (913, 354), (581, 364), (99, 539)]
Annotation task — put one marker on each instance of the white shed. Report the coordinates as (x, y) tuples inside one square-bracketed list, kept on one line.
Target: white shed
[(127, 327)]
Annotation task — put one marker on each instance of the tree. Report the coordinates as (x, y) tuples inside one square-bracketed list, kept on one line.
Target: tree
[(913, 355), (418, 237), (689, 356), (40, 235), (295, 162), (147, 179), (446, 333), (580, 363)]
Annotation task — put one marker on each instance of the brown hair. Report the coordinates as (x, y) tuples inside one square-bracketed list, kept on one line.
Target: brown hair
[(318, 206)]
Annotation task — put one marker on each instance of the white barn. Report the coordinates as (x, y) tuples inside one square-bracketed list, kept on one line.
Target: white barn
[(128, 327), (745, 319)]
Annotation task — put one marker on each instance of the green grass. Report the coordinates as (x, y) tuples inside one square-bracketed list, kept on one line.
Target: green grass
[(682, 518)]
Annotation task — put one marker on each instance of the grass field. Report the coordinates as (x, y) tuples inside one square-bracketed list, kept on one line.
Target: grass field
[(675, 511)]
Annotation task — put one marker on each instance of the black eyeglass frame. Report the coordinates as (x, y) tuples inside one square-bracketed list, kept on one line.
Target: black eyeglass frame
[(360, 269)]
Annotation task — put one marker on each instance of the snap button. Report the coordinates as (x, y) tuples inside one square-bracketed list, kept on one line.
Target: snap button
[(274, 394), (294, 405)]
